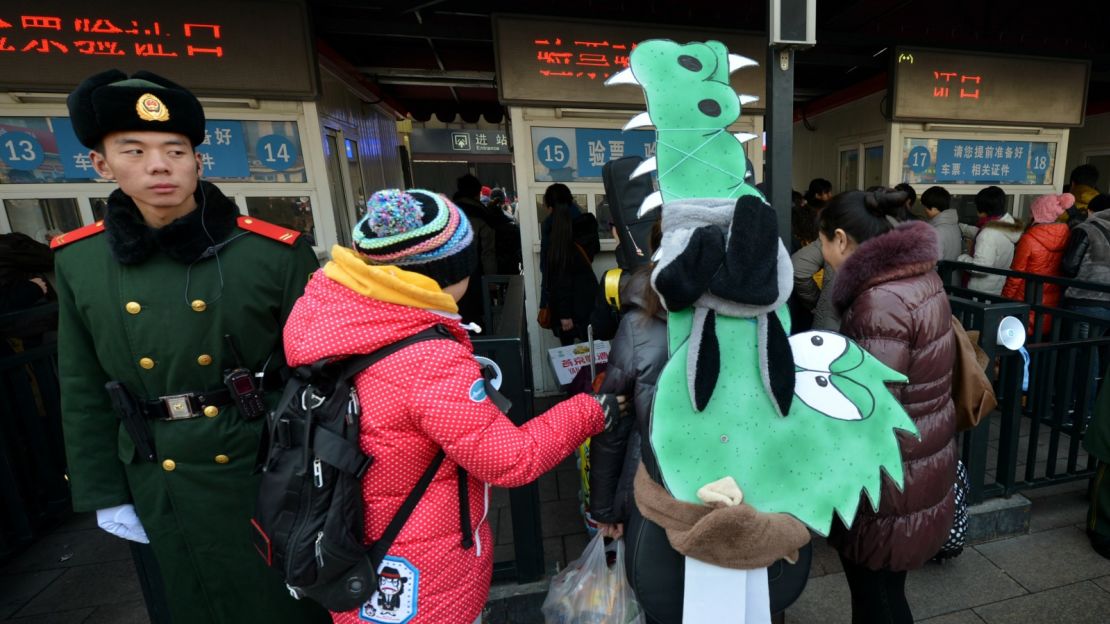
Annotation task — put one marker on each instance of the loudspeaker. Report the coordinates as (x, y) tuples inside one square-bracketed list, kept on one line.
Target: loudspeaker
[(793, 23), (1011, 333)]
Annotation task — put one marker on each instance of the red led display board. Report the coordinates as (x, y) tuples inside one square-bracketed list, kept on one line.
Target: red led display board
[(973, 87), (545, 62), (252, 48)]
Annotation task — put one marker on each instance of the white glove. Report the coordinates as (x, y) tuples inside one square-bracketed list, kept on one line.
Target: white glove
[(122, 521)]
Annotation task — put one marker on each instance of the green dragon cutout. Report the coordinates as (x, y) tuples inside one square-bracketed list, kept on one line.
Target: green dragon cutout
[(803, 424)]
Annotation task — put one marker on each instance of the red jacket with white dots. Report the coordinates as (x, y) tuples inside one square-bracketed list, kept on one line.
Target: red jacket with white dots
[(414, 402)]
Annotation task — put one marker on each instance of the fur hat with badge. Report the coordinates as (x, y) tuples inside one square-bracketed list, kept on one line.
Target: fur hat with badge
[(1048, 208), (111, 102), (418, 231)]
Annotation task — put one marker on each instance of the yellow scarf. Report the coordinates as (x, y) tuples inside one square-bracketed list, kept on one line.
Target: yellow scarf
[(387, 282)]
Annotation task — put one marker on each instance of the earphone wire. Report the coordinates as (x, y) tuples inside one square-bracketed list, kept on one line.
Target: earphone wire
[(213, 249)]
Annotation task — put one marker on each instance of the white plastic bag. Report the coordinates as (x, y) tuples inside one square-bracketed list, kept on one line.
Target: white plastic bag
[(589, 591)]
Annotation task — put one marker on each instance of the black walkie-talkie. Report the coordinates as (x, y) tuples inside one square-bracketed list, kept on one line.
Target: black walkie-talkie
[(244, 390)]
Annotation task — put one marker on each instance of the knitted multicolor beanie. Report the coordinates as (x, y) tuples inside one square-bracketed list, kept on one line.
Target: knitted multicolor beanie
[(418, 231)]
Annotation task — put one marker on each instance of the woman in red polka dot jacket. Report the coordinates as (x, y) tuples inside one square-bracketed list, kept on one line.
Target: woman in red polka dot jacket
[(413, 253)]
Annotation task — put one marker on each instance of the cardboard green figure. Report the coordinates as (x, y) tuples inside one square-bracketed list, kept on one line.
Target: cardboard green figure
[(691, 107), (802, 424)]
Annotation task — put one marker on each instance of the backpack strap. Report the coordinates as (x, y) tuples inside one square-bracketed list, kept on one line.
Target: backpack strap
[(353, 365), (1102, 230), (464, 507), (378, 549)]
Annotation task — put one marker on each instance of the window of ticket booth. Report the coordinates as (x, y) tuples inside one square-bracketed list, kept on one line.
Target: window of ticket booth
[(48, 185), (861, 166)]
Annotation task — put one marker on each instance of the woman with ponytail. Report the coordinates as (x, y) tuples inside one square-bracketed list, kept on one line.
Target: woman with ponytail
[(892, 303), (568, 243)]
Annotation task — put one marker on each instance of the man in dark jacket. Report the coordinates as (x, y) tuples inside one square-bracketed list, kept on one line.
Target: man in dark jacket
[(636, 357), (155, 304), (467, 198), (23, 262)]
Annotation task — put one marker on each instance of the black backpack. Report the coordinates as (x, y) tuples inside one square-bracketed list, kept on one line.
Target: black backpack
[(308, 521)]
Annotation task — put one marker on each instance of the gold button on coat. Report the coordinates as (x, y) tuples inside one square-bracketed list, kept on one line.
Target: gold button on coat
[(222, 459), (169, 465), (199, 305), (133, 307), (146, 363), (211, 411), (204, 359)]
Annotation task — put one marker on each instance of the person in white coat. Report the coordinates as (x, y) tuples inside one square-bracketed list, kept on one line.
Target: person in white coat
[(993, 247)]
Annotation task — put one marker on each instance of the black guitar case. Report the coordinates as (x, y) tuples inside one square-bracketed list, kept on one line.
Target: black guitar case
[(657, 572), (624, 197)]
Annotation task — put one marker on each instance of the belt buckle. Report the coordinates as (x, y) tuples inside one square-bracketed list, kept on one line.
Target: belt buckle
[(178, 407)]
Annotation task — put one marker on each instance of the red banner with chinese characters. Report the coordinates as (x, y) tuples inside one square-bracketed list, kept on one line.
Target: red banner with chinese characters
[(212, 47), (545, 61)]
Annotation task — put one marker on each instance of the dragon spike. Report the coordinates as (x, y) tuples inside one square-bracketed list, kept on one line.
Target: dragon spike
[(744, 137), (642, 120), (645, 167), (624, 76), (735, 62), (650, 202), (746, 99)]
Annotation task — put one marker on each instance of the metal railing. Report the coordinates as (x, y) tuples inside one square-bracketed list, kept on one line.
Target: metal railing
[(1039, 430)]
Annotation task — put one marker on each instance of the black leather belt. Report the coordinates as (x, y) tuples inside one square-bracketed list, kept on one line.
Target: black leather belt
[(192, 404)]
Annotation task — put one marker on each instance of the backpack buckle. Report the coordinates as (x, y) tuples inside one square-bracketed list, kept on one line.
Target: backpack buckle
[(315, 400)]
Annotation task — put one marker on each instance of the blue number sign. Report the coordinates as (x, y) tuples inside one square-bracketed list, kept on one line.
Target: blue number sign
[(919, 159), (21, 151), (276, 152), (553, 153)]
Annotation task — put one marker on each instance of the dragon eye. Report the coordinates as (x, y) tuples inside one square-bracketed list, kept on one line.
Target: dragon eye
[(709, 107), (817, 341), (822, 381), (689, 62)]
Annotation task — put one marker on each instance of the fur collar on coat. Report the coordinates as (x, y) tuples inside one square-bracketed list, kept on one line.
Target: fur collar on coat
[(132, 241), (907, 250)]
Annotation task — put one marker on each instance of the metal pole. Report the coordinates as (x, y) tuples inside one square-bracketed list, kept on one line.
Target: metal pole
[(780, 134)]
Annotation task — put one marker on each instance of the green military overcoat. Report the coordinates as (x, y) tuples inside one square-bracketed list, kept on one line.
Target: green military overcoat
[(150, 308)]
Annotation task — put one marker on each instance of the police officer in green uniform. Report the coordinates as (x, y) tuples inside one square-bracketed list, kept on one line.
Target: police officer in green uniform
[(171, 312)]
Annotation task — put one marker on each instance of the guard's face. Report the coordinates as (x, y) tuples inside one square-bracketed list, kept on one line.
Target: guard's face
[(159, 170)]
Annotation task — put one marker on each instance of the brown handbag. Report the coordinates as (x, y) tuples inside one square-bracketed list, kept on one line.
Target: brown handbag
[(543, 317), (972, 392)]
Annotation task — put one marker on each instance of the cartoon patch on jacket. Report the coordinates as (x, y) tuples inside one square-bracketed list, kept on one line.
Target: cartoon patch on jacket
[(395, 602)]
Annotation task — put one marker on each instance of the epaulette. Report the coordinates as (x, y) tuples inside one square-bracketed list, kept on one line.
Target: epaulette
[(73, 236), (269, 230)]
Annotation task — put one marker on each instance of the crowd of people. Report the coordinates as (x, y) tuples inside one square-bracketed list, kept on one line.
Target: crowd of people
[(168, 455)]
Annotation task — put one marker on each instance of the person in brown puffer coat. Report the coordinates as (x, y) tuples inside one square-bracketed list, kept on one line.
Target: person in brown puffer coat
[(892, 303)]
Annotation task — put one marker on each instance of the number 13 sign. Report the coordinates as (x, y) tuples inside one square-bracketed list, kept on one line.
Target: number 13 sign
[(21, 151)]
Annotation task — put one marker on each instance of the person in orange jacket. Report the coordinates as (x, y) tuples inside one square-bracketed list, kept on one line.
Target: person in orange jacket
[(1040, 250)]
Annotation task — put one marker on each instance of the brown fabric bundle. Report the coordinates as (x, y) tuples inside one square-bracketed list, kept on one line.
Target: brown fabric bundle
[(972, 392), (738, 537)]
